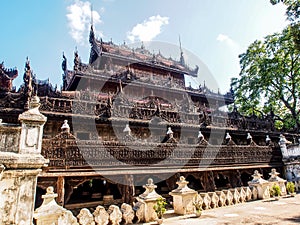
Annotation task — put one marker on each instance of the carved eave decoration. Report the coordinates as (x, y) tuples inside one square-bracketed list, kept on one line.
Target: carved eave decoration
[(12, 100), (6, 77)]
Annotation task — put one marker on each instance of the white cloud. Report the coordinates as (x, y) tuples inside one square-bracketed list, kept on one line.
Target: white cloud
[(79, 18), (233, 45), (147, 30), (226, 39)]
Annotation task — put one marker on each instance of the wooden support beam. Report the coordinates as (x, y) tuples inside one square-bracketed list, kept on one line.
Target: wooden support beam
[(60, 190)]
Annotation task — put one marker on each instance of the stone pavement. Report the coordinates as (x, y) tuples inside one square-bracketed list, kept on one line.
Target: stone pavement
[(285, 211)]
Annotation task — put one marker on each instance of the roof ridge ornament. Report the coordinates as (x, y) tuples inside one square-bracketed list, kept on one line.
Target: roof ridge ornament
[(182, 62)]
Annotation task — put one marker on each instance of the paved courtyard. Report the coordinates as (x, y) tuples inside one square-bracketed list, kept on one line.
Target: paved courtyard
[(285, 211)]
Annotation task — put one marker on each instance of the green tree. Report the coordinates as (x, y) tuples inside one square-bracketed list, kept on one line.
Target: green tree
[(293, 15), (270, 74)]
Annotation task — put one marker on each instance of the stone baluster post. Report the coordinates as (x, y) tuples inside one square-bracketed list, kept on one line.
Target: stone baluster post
[(183, 197), (50, 212), (21, 161), (275, 179), (222, 198), (261, 185), (146, 201)]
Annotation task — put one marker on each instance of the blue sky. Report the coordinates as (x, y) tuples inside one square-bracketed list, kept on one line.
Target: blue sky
[(215, 31)]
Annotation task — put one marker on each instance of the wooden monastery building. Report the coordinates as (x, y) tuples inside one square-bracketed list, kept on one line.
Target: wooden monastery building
[(127, 115)]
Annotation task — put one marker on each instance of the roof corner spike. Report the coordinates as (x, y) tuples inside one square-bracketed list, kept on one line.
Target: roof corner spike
[(181, 54)]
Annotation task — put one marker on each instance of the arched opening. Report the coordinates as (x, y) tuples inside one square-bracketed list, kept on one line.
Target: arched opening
[(94, 190), (221, 181), (245, 177), (194, 183)]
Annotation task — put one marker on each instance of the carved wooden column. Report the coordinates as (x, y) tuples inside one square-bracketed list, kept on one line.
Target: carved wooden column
[(60, 186), (127, 189), (207, 181)]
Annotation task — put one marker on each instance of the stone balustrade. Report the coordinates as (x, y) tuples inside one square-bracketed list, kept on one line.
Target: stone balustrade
[(50, 212)]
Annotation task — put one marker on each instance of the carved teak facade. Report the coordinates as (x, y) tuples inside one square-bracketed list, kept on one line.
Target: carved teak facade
[(119, 107)]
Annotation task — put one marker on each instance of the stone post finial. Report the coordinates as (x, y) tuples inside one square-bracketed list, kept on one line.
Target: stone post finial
[(268, 140), (201, 140), (250, 140), (65, 127), (150, 192), (127, 130), (182, 185), (275, 176), (249, 137), (0, 121), (170, 132), (274, 173), (228, 137), (200, 135), (229, 140), (256, 175), (49, 196)]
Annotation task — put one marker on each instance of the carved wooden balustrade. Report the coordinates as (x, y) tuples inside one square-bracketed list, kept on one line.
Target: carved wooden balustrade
[(104, 108), (68, 152)]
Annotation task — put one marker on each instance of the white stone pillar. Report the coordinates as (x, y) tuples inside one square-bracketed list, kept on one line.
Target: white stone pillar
[(20, 163), (148, 200), (183, 197)]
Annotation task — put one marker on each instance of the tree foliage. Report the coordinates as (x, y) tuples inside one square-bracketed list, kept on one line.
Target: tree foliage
[(270, 74), (293, 15), (292, 10)]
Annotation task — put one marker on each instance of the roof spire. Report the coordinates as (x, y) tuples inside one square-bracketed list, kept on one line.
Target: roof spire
[(181, 54), (92, 15), (180, 44)]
